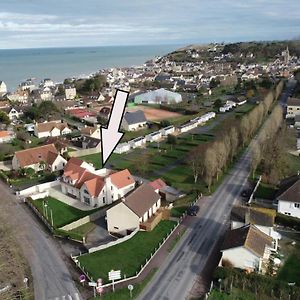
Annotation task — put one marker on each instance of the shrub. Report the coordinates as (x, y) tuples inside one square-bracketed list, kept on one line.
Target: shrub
[(287, 221)]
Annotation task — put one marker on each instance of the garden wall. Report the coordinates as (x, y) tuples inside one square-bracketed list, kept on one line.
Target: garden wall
[(40, 188), (84, 152)]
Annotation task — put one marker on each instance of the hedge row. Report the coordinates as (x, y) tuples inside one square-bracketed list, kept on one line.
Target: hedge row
[(287, 221)]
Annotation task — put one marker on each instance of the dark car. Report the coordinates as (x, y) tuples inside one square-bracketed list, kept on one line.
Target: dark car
[(193, 210), (246, 193)]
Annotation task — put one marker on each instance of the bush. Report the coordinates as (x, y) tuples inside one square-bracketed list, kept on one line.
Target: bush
[(287, 221)]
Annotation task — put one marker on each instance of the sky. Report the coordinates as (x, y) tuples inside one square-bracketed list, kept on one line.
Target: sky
[(68, 23)]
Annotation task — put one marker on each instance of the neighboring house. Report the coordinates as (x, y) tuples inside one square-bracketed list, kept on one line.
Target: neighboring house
[(39, 158), (246, 248), (263, 219), (289, 201), (297, 121), (122, 148), (167, 130), (134, 120), (166, 192), (51, 129), (160, 96), (293, 107), (70, 93), (19, 95), (154, 136), (139, 206), (188, 126), (29, 128), (6, 136), (93, 132), (90, 142), (95, 188), (137, 142), (13, 113), (3, 88)]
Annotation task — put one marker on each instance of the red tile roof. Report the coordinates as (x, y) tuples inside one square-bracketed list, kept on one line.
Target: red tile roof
[(122, 179), (158, 184)]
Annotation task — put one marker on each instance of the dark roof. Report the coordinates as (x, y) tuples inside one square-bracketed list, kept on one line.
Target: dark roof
[(293, 102), (246, 214), (90, 141), (292, 194), (135, 117), (141, 199), (248, 237)]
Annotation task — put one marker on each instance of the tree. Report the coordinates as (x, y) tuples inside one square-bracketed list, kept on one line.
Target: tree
[(214, 83), (256, 156), (172, 139), (221, 155), (195, 161), (4, 118), (165, 123), (217, 104), (210, 166), (234, 142)]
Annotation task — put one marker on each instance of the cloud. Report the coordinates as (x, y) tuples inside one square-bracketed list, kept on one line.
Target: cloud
[(36, 23)]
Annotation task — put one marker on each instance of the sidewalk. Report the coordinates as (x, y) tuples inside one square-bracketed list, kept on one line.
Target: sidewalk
[(164, 251)]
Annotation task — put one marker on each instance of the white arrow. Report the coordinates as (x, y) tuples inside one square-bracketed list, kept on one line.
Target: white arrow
[(111, 136)]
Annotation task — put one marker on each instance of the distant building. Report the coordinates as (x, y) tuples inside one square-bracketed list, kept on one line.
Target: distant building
[(51, 129), (160, 96), (134, 120), (70, 93), (293, 107), (3, 88), (28, 85), (6, 136)]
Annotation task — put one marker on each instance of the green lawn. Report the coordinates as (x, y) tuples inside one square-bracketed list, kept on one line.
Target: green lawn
[(265, 191), (123, 294), (127, 256), (63, 214), (178, 211), (293, 164), (84, 229), (290, 272), (244, 108)]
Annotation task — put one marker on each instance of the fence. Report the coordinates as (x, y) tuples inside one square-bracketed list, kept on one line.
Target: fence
[(138, 273), (85, 152), (37, 188)]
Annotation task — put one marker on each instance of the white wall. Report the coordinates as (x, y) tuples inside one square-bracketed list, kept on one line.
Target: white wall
[(241, 258), (120, 219), (288, 208)]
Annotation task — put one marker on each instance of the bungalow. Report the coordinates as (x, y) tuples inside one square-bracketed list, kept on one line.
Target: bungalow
[(134, 120), (262, 219), (82, 182), (122, 148), (51, 129), (289, 201), (167, 130), (93, 132), (154, 136), (6, 136), (39, 158), (246, 248), (188, 126), (133, 210), (137, 142)]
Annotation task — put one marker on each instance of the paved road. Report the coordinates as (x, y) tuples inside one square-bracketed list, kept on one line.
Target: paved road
[(52, 280), (177, 275)]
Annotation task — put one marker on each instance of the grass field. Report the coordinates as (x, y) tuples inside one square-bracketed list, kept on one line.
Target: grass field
[(84, 229), (62, 213), (290, 272), (244, 108), (127, 256), (265, 191)]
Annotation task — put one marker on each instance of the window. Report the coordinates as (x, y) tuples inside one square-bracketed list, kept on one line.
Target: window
[(86, 200), (297, 205), (115, 227), (103, 200), (111, 188), (287, 213)]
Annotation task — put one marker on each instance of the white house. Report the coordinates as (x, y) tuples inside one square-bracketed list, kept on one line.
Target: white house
[(134, 120), (51, 129), (289, 201), (137, 142), (167, 130), (122, 148), (93, 132), (246, 248), (3, 88), (133, 210), (70, 93), (94, 188), (39, 158), (13, 113), (262, 219), (154, 136)]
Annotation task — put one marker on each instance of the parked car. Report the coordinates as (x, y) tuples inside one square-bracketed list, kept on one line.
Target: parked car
[(193, 210)]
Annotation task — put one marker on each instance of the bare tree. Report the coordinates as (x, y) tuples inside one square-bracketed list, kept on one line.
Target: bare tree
[(256, 156), (210, 166), (195, 161)]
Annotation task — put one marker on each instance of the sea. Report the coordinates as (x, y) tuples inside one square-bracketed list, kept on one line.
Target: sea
[(17, 65)]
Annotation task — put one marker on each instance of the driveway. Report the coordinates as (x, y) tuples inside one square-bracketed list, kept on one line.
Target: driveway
[(99, 235)]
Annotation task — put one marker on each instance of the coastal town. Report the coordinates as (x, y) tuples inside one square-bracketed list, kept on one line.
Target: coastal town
[(203, 188)]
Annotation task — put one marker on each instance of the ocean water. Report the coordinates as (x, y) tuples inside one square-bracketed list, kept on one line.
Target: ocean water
[(59, 63)]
